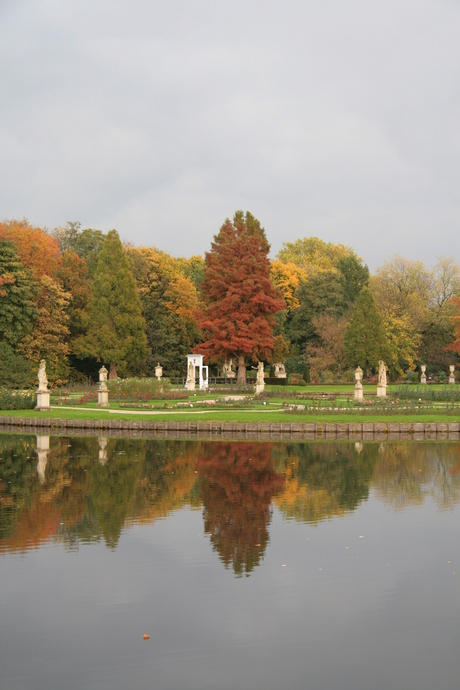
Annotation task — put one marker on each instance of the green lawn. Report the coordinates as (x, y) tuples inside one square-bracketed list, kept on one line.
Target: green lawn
[(236, 415)]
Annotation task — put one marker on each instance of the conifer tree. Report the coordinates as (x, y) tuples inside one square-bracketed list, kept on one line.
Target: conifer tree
[(116, 327), (17, 311), (239, 298), (365, 341)]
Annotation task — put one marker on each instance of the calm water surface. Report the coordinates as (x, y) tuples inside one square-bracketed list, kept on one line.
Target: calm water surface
[(250, 565)]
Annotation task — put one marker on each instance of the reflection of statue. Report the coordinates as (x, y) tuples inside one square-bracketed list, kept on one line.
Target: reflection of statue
[(42, 380)]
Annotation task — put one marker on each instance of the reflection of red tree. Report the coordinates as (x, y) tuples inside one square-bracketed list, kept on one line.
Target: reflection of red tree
[(238, 483)]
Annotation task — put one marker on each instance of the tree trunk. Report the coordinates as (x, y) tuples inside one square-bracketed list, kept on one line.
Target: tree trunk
[(241, 371), (113, 371)]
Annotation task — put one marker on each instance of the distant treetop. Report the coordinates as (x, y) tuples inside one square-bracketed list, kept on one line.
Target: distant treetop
[(313, 253)]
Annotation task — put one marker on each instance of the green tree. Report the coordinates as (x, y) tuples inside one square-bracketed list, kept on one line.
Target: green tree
[(365, 342), (86, 243), (17, 311), (115, 325)]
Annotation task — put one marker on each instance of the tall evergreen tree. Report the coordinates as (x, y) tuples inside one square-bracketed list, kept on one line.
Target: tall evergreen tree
[(239, 299), (116, 327), (365, 341), (17, 311)]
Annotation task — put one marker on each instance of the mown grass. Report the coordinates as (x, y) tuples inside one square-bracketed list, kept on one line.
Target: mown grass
[(235, 415)]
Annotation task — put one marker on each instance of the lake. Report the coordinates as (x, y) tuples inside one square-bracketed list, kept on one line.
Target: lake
[(249, 565)]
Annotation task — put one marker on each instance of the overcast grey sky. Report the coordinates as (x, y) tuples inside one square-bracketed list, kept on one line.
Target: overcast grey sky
[(322, 117)]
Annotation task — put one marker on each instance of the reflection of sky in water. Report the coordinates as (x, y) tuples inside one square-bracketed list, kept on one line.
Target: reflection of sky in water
[(311, 614)]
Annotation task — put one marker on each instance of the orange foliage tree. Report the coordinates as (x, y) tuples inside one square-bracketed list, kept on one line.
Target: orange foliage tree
[(37, 249)]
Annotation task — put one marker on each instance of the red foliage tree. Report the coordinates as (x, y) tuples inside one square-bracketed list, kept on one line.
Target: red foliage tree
[(455, 345), (238, 296)]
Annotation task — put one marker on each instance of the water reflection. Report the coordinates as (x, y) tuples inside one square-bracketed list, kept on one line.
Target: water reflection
[(73, 490)]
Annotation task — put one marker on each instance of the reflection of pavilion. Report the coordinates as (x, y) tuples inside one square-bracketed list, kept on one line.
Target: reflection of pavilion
[(43, 446)]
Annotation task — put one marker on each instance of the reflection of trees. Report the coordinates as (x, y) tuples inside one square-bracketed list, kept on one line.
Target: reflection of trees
[(169, 479), (112, 486), (238, 483), (18, 480), (323, 480), (408, 473)]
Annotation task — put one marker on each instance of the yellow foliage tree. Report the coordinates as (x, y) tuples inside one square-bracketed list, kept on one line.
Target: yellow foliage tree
[(49, 339)]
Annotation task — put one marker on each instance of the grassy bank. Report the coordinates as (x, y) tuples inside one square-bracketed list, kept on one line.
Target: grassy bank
[(237, 416)]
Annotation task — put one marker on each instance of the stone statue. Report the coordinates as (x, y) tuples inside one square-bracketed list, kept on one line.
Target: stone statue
[(382, 374), (280, 371), (42, 380), (359, 393), (260, 374), (382, 384), (103, 392), (43, 394), (190, 384), (423, 375), (451, 373)]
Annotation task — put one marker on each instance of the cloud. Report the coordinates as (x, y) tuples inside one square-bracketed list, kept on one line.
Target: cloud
[(161, 119)]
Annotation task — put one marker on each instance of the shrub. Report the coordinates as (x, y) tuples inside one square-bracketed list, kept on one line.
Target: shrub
[(10, 400), (306, 374), (302, 382), (137, 388), (411, 376)]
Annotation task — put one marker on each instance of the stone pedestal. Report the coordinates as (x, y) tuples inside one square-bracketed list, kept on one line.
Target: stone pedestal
[(103, 397), (43, 400), (381, 391), (103, 392), (359, 393), (451, 373), (260, 387), (423, 376)]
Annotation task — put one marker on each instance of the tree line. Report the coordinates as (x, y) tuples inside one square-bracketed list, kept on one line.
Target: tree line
[(78, 297)]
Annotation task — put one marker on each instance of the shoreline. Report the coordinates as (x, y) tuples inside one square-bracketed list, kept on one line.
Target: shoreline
[(236, 430)]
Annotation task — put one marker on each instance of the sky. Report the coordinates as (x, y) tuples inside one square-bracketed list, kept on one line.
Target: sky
[(325, 118)]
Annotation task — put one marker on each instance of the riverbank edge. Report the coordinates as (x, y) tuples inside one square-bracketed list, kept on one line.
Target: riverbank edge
[(218, 429)]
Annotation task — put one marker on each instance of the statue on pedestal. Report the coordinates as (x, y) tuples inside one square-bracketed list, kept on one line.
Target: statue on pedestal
[(191, 377), (103, 392), (260, 381), (359, 393), (43, 394), (382, 384), (423, 376)]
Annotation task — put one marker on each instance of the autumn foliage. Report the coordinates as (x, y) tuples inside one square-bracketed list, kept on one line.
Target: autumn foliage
[(238, 296)]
